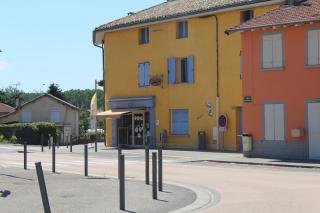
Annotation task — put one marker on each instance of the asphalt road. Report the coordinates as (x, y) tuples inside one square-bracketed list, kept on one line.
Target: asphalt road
[(237, 188)]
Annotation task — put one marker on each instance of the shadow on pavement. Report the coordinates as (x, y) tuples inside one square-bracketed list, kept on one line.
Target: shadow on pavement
[(5, 193)]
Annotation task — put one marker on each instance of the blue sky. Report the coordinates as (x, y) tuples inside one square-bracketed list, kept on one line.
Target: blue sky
[(51, 41)]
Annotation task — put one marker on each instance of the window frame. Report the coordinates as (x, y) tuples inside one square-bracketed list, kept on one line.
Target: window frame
[(144, 35), (172, 124), (55, 111), (189, 72), (183, 63), (242, 15), (185, 26), (22, 116), (275, 68), (307, 65)]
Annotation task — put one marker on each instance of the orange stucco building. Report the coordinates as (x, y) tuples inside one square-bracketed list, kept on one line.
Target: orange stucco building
[(281, 81)]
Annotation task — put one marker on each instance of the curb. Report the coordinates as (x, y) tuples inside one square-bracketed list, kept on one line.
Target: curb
[(259, 164), (206, 198)]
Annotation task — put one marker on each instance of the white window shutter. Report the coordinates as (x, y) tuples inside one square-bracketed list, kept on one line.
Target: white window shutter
[(269, 122), (267, 51), (277, 52), (313, 47), (279, 122)]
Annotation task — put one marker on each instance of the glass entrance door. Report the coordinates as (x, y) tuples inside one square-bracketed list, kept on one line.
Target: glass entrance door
[(138, 130)]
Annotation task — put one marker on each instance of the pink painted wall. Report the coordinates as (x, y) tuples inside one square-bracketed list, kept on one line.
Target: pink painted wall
[(294, 85)]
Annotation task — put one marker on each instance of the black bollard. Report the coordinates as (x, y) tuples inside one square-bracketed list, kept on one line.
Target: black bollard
[(43, 189), (25, 155), (70, 144), (160, 169), (119, 154), (147, 165), (96, 143), (49, 142), (53, 157), (154, 176), (122, 183), (42, 141), (86, 160)]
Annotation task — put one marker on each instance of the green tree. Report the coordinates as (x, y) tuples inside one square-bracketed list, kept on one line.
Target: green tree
[(55, 90), (9, 95)]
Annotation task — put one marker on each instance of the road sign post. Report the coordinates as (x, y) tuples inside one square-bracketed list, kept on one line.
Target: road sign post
[(223, 121)]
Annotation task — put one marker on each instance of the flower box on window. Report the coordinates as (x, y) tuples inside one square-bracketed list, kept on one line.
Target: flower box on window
[(156, 80)]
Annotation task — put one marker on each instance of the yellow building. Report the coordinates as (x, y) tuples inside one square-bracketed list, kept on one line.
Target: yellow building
[(172, 67)]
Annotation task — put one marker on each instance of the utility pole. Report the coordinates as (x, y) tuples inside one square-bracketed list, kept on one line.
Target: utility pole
[(96, 127)]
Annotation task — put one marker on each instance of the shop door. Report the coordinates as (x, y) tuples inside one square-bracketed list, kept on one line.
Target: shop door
[(138, 130)]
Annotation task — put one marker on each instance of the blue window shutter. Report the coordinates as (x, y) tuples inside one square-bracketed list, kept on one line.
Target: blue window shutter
[(141, 75), (180, 122), (171, 70), (147, 74), (190, 69)]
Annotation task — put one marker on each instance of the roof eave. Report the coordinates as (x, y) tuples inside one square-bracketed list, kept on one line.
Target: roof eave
[(228, 32), (98, 34)]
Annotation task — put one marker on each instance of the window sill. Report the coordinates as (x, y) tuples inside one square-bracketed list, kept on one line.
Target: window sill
[(179, 38), (147, 86), (182, 83), (273, 69), (176, 136), (312, 66)]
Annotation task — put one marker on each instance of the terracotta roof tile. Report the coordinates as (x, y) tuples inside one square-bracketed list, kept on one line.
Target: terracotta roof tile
[(174, 9), (6, 108), (306, 11)]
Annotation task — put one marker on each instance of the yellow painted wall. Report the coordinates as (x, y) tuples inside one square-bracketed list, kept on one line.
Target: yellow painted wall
[(123, 54)]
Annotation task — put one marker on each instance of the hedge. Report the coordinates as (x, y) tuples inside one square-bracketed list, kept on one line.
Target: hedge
[(28, 132)]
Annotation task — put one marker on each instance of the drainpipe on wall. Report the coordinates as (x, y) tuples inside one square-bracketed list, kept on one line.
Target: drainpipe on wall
[(104, 80), (218, 83)]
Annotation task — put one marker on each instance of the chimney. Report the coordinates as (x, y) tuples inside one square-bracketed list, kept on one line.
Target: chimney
[(18, 104)]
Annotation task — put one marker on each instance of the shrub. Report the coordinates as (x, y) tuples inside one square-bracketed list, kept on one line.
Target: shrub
[(2, 138), (29, 132)]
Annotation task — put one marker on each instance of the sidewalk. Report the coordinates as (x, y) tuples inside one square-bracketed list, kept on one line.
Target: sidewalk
[(238, 158), (19, 193)]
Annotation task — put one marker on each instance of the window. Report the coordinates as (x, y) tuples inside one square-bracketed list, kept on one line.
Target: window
[(272, 51), (179, 122), (182, 31), (314, 47), (55, 116), (274, 122), (144, 74), (181, 70), (144, 35), (26, 116), (246, 15)]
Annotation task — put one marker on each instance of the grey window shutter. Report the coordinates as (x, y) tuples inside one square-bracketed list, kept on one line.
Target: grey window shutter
[(313, 47), (190, 69), (267, 51), (171, 70)]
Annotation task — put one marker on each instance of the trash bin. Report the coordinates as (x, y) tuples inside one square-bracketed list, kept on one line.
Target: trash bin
[(202, 140), (247, 144)]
